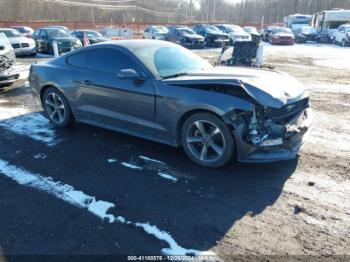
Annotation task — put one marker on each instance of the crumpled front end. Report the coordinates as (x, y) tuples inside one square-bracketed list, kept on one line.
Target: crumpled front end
[(271, 134)]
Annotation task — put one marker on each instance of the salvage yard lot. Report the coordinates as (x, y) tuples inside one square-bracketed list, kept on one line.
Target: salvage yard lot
[(166, 204)]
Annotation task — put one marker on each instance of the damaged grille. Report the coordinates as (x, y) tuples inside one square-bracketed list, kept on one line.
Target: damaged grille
[(287, 112)]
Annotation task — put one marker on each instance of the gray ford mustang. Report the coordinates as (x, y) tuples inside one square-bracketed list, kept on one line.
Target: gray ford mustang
[(163, 92)]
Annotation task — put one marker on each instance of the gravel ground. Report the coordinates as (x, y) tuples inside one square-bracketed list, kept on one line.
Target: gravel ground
[(299, 207)]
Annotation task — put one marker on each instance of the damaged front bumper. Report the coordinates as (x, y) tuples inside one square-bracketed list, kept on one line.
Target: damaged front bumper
[(8, 77), (271, 149)]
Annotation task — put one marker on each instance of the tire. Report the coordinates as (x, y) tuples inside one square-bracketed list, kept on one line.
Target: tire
[(2, 86), (207, 140), (57, 108), (334, 41), (344, 44)]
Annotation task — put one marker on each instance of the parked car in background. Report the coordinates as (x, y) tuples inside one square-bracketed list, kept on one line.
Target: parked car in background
[(254, 34), (93, 36), (339, 36), (44, 38), (59, 27), (116, 33), (236, 33), (155, 32), (185, 36), (24, 30), (251, 30), (8, 75), (21, 44), (282, 36), (213, 37), (306, 34), (267, 31), (214, 113)]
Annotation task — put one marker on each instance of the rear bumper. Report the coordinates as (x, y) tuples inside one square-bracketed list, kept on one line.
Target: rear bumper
[(288, 150)]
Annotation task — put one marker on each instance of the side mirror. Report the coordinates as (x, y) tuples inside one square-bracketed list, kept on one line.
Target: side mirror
[(2, 47), (129, 74)]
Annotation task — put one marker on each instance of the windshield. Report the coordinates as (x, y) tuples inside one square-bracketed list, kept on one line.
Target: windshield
[(54, 32), (186, 31), (22, 29), (250, 29), (92, 34), (168, 60), (309, 30), (11, 33), (212, 29), (3, 40), (283, 30), (161, 29), (234, 28)]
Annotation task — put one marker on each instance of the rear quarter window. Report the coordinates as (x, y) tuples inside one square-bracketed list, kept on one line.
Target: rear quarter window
[(109, 61), (77, 60)]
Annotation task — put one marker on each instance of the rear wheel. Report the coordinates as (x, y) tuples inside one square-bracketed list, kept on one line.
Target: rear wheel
[(207, 140), (57, 108)]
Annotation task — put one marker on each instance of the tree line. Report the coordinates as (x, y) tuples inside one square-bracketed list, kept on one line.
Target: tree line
[(162, 11)]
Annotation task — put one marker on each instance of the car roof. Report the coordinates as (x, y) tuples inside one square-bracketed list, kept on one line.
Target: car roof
[(7, 29), (135, 43)]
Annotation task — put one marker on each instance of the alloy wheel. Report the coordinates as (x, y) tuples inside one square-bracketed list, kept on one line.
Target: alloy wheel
[(55, 108), (205, 141)]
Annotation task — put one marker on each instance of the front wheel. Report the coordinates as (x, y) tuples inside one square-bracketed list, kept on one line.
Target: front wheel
[(344, 43), (57, 108), (207, 140)]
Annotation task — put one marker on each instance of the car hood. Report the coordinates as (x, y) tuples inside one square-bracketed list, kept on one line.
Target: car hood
[(64, 39), (217, 34), (284, 35), (197, 37), (269, 88), (241, 33), (20, 39)]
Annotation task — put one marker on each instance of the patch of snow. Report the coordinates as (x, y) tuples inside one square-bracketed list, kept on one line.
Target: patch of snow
[(100, 209), (111, 160), (131, 166), (33, 125), (325, 55), (23, 70), (7, 113), (122, 220), (62, 191), (329, 88), (147, 159), (40, 156), (166, 176), (174, 248)]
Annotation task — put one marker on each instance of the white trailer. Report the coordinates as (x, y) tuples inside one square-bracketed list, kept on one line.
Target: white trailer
[(296, 19), (328, 21)]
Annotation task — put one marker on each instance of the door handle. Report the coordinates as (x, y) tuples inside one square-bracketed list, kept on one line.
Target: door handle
[(87, 82), (83, 82)]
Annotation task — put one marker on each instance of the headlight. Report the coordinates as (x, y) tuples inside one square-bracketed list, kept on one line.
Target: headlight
[(77, 43)]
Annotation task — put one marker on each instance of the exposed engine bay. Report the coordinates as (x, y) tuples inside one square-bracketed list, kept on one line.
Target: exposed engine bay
[(271, 127)]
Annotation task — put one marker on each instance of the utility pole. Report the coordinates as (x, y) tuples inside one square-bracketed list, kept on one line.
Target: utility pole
[(214, 11), (191, 14), (93, 18)]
